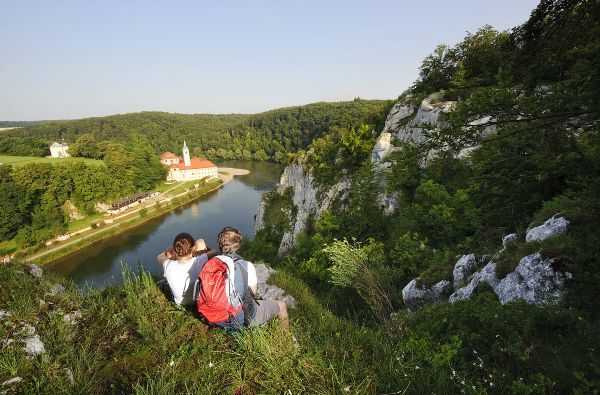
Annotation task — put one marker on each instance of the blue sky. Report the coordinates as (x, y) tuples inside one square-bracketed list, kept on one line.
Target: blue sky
[(73, 59)]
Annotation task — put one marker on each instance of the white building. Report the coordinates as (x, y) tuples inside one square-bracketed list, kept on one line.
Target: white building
[(186, 168), (59, 150)]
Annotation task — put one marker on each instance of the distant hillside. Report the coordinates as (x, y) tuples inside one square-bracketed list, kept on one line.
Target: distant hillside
[(16, 124), (275, 132)]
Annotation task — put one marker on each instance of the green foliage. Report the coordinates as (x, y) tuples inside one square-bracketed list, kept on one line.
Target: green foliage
[(410, 255), (231, 136), (356, 266)]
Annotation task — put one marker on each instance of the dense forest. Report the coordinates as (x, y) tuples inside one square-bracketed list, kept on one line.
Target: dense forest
[(538, 86), (266, 136), (33, 197)]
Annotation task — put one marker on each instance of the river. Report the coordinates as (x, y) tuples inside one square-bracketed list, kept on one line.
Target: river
[(234, 204)]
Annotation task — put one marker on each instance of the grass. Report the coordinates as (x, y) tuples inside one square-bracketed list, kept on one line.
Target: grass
[(18, 161), (7, 247)]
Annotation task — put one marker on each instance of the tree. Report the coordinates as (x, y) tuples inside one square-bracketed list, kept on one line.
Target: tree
[(436, 70)]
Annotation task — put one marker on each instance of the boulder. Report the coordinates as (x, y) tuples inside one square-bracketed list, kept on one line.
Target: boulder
[(509, 239), (34, 346), (552, 227), (464, 267), (72, 318), (34, 270), (270, 291), (487, 275), (415, 296), (56, 290), (535, 281)]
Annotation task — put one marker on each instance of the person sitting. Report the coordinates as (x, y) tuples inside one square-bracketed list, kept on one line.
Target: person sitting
[(257, 312), (181, 264)]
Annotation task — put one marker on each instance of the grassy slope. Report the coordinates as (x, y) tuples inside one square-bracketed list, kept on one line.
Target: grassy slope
[(18, 161), (131, 339)]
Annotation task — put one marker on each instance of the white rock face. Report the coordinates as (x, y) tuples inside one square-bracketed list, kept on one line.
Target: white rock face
[(398, 112), (552, 227), (269, 291), (534, 280), (415, 296), (427, 116), (382, 147), (258, 218), (465, 266), (305, 199), (487, 275)]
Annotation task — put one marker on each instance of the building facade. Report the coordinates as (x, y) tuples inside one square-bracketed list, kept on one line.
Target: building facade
[(184, 168), (59, 150)]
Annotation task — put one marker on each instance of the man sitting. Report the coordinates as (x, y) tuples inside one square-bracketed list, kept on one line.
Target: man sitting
[(257, 311)]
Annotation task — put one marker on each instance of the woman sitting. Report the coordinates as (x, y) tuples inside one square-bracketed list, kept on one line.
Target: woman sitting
[(181, 264)]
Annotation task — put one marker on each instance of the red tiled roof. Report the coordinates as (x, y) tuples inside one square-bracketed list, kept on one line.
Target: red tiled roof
[(168, 155), (195, 163)]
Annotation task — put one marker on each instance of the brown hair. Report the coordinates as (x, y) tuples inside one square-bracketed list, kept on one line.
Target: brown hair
[(229, 240), (183, 245)]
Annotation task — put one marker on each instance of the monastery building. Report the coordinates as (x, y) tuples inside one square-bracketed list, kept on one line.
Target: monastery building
[(186, 168)]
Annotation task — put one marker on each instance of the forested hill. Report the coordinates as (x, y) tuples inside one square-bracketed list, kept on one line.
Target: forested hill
[(267, 135)]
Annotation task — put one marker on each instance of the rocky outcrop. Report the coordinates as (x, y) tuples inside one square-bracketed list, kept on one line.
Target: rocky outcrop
[(465, 266), (307, 199), (270, 291), (552, 227), (535, 280), (415, 295), (487, 275)]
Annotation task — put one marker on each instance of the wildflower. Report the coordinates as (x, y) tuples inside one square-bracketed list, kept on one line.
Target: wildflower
[(416, 367), (347, 388), (474, 351), (497, 335), (473, 387), (397, 358), (210, 365), (171, 363), (463, 382), (491, 384)]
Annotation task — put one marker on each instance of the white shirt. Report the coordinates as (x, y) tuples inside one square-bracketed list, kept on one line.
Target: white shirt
[(181, 277)]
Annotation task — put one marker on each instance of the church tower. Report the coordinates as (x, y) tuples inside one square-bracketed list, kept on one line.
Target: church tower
[(186, 155)]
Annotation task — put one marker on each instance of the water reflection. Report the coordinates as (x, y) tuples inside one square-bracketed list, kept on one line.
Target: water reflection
[(233, 205)]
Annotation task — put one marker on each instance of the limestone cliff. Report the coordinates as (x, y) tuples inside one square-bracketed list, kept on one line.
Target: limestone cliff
[(307, 199)]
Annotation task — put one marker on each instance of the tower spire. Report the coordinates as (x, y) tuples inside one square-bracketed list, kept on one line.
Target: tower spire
[(186, 155)]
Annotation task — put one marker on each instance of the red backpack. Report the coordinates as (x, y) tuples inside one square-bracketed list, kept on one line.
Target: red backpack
[(217, 298)]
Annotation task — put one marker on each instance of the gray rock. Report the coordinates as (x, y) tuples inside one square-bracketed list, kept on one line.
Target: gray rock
[(72, 318), (34, 346), (552, 227), (5, 314), (415, 296), (69, 374), (34, 270), (509, 239), (14, 380), (270, 291), (26, 330), (307, 199), (487, 275), (464, 267), (56, 289), (534, 281)]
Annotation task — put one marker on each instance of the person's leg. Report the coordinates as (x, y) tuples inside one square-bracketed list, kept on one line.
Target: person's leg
[(283, 315)]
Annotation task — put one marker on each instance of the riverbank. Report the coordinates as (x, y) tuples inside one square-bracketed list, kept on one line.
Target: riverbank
[(114, 225)]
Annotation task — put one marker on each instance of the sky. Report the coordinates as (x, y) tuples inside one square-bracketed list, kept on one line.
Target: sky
[(73, 59)]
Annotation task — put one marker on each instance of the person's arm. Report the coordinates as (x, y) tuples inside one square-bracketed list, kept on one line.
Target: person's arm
[(202, 248), (163, 256)]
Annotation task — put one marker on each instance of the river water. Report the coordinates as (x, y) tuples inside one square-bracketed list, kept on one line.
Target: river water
[(234, 204)]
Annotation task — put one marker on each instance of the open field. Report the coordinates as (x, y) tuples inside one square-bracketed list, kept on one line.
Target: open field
[(14, 127), (17, 161)]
